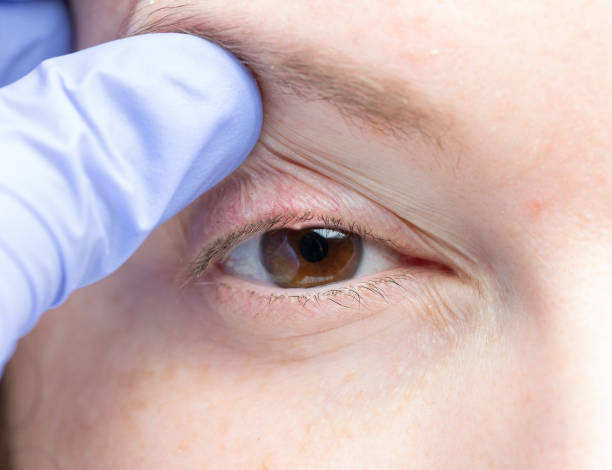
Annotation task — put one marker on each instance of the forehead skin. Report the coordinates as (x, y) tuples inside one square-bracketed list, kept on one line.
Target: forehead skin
[(518, 186)]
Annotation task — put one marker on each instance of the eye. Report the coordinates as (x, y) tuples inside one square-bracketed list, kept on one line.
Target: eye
[(307, 257), (310, 257)]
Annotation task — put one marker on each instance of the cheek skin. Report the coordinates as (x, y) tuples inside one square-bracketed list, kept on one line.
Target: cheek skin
[(195, 403)]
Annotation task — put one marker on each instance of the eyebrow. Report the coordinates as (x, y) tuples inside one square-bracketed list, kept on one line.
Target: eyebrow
[(383, 104)]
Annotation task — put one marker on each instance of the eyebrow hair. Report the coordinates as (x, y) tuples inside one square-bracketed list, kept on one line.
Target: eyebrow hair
[(383, 104)]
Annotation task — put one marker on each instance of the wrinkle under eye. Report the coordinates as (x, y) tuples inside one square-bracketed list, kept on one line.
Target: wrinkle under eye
[(310, 257)]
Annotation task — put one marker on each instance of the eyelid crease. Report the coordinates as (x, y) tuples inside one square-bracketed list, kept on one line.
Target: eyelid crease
[(216, 250)]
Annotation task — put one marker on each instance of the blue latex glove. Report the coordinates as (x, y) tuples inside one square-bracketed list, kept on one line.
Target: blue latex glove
[(30, 32), (99, 147)]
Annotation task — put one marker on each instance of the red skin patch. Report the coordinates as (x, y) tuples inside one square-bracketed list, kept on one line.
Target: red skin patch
[(534, 208)]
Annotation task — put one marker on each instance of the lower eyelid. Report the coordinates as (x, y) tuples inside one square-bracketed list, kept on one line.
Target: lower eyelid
[(423, 307), (294, 310), (363, 296)]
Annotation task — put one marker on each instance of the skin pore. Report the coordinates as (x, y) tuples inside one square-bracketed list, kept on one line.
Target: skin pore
[(493, 355)]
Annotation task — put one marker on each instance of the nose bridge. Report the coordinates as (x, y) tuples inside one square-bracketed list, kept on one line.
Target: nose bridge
[(574, 365)]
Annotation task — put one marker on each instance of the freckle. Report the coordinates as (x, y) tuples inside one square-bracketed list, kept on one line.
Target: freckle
[(526, 399), (137, 404), (224, 426), (534, 208), (348, 378), (169, 373), (347, 432)]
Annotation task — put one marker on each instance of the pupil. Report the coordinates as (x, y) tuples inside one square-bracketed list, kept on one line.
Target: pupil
[(313, 247)]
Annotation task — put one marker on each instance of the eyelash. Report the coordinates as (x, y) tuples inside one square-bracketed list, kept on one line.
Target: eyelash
[(343, 296), (373, 286), (222, 246)]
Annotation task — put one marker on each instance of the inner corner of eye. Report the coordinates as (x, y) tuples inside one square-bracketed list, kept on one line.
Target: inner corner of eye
[(305, 258)]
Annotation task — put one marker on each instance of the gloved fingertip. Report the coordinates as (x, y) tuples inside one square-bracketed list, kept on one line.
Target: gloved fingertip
[(213, 110), (132, 131)]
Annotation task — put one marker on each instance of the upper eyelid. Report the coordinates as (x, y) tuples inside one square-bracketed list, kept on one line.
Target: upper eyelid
[(216, 250), (268, 193)]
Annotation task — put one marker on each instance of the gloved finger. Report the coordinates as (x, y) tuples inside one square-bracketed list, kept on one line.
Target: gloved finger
[(99, 147), (30, 32)]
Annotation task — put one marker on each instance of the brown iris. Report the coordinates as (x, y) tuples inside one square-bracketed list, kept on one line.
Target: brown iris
[(310, 257)]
